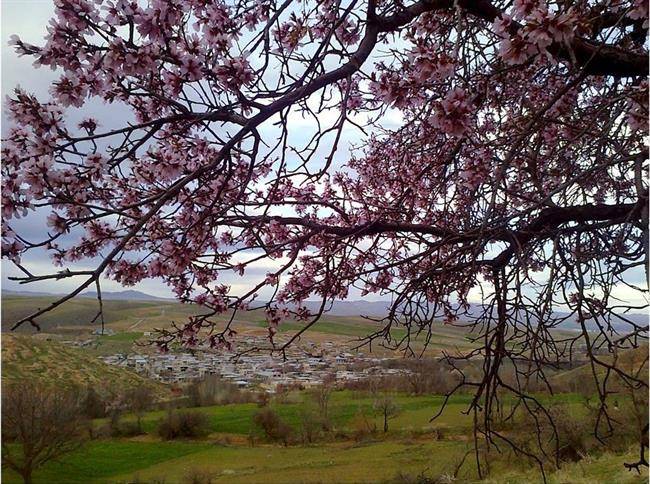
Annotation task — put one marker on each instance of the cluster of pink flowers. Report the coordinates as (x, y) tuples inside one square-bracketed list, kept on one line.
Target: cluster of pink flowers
[(354, 96), (429, 63), (486, 120), (477, 169), (12, 248), (216, 22), (394, 89), (274, 317), (127, 273), (234, 73), (57, 223), (289, 34), (541, 28), (454, 113)]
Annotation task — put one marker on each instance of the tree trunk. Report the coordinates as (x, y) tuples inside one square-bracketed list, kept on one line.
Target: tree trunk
[(27, 476), (385, 421)]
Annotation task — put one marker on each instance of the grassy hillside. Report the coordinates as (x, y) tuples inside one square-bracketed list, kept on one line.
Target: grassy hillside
[(634, 361), (50, 363), (72, 320), (79, 312)]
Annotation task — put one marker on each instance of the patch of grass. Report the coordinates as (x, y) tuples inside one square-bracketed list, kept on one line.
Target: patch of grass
[(442, 338), (128, 336), (373, 462), (634, 361), (323, 464), (100, 460), (606, 468), (119, 461), (116, 343)]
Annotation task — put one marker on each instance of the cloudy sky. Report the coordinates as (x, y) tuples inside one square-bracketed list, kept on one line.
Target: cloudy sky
[(28, 19)]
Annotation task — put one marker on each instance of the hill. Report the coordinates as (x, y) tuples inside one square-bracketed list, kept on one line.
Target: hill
[(79, 312), (25, 358), (129, 295), (73, 318), (634, 361)]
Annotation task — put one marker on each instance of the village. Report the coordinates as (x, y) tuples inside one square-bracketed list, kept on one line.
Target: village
[(306, 366)]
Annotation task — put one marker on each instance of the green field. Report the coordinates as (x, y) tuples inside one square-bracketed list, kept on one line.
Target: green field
[(171, 463), (411, 447), (344, 406), (98, 461)]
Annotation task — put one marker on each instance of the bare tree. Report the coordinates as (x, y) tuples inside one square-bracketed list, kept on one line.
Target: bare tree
[(93, 405), (321, 395), (428, 376), (140, 400), (386, 407), (42, 423)]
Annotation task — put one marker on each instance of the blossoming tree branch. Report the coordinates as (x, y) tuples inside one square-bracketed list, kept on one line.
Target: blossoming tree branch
[(516, 172)]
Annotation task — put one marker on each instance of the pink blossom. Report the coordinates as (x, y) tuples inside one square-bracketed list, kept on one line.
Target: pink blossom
[(190, 69), (452, 115), (234, 73), (57, 222)]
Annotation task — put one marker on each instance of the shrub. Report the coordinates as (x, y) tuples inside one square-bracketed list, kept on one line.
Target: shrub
[(362, 427), (214, 390), (574, 436), (574, 433), (130, 429), (321, 396), (93, 405), (631, 415), (116, 427), (386, 407), (183, 424), (272, 425), (263, 399), (114, 423), (312, 425), (139, 400), (197, 476)]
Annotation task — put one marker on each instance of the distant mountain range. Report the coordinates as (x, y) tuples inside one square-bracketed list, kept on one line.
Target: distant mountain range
[(375, 309), (352, 308), (378, 309), (128, 295), (9, 292)]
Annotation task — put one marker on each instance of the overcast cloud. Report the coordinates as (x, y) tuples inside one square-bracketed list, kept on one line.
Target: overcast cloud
[(29, 19)]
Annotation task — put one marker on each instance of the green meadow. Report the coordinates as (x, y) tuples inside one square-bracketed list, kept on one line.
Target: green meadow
[(413, 447)]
